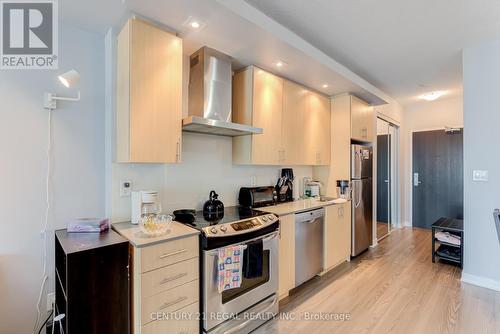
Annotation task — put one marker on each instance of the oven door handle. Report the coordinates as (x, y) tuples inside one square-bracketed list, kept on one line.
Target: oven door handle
[(245, 323), (271, 236), (268, 238)]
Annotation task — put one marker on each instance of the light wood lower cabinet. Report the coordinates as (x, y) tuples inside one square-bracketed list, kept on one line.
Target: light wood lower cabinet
[(165, 287), (337, 235), (181, 322), (287, 255)]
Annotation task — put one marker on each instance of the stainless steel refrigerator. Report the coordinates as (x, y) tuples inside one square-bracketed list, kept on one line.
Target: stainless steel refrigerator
[(362, 198)]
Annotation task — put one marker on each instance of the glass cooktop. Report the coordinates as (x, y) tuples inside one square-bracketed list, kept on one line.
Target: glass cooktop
[(230, 214)]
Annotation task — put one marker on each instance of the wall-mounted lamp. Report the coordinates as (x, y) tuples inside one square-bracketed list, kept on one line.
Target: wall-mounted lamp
[(68, 79)]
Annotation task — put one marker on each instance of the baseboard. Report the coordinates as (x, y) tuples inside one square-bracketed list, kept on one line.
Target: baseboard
[(483, 282)]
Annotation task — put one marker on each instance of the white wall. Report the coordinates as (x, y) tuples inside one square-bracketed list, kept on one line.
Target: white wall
[(423, 116), (481, 72), (77, 177)]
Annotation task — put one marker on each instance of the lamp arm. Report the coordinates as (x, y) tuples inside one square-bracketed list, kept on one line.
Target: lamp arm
[(50, 100), (60, 98)]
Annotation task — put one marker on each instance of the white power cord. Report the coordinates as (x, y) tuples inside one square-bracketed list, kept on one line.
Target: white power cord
[(45, 277)]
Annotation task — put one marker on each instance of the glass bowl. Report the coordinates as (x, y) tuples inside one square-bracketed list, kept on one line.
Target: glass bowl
[(155, 226)]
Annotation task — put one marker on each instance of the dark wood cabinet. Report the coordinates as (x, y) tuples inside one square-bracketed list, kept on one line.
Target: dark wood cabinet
[(92, 282)]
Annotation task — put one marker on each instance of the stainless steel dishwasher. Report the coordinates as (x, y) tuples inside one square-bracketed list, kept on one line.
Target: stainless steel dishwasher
[(308, 244)]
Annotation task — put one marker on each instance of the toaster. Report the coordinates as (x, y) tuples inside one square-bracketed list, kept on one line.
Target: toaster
[(255, 197)]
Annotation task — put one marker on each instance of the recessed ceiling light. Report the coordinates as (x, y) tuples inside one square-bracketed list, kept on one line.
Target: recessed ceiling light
[(325, 85), (280, 63), (193, 23), (432, 96)]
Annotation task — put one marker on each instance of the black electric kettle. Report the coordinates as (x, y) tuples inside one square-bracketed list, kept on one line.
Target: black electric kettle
[(213, 207)]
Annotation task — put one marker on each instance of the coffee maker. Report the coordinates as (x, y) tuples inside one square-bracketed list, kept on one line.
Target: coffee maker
[(144, 203), (284, 187)]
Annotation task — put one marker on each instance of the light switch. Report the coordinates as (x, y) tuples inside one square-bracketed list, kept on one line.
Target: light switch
[(480, 175), (125, 188)]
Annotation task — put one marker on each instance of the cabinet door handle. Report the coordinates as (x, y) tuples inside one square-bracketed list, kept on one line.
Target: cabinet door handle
[(163, 256), (178, 151), (281, 155), (173, 278), (172, 303)]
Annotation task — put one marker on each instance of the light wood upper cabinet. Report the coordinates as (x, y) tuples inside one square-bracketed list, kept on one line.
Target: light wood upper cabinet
[(317, 130), (267, 114), (258, 101), (286, 255), (295, 120), (295, 107), (362, 120), (337, 236), (149, 94)]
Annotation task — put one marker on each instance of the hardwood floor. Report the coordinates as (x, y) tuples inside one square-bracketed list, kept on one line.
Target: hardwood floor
[(393, 288), (382, 230)]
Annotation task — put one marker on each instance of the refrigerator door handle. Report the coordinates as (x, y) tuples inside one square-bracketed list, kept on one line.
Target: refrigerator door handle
[(358, 200)]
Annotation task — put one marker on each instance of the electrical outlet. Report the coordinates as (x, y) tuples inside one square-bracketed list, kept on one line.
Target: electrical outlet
[(125, 188), (480, 175), (51, 300)]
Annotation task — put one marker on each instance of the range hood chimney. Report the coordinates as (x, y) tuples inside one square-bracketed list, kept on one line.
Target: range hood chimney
[(210, 94)]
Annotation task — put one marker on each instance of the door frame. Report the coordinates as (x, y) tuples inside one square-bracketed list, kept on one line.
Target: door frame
[(396, 218), (409, 181)]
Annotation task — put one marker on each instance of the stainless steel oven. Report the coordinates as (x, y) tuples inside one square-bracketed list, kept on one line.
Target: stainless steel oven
[(229, 311)]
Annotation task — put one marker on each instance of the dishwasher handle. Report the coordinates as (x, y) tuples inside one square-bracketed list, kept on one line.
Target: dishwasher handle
[(309, 216), (309, 221)]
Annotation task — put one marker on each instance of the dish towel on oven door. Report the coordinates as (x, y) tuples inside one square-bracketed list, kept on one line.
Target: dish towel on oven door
[(229, 264)]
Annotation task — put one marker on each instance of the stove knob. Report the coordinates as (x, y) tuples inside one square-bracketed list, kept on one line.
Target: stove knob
[(213, 230), (270, 217), (223, 228), (264, 219)]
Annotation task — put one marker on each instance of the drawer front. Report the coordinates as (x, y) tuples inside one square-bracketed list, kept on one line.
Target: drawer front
[(169, 301), (168, 277), (184, 321), (169, 252)]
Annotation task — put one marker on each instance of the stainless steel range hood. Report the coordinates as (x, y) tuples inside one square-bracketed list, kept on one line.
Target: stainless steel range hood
[(210, 83)]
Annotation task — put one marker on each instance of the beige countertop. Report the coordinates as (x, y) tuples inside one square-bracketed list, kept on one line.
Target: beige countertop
[(137, 238), (297, 206)]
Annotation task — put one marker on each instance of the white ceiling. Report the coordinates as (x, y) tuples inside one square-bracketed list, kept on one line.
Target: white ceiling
[(403, 47), (233, 27)]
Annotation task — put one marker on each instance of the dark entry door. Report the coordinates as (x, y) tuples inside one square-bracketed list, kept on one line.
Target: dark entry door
[(437, 176), (383, 172)]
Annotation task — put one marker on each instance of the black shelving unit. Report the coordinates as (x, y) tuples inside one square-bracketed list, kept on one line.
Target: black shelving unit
[(92, 282), (453, 226)]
